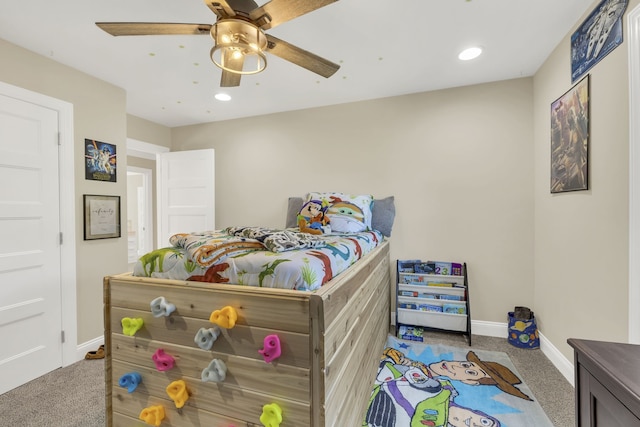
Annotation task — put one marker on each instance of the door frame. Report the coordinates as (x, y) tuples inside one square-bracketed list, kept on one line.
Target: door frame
[(145, 150), (633, 21), (147, 179), (68, 220)]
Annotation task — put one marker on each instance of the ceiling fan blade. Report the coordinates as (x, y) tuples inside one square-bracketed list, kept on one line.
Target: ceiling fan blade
[(221, 8), (301, 57), (275, 12), (228, 78), (152, 28)]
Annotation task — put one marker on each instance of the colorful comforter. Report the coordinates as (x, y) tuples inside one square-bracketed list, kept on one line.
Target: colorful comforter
[(256, 256)]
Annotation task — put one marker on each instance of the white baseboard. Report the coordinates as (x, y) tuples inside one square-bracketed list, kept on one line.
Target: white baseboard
[(91, 345), (489, 329), (497, 329), (563, 364)]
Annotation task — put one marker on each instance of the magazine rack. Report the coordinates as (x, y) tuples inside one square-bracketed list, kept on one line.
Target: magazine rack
[(432, 296)]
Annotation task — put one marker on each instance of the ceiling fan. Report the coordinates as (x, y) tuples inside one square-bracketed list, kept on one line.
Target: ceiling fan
[(239, 36)]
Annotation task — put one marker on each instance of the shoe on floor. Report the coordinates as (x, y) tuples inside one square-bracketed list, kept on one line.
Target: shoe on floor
[(98, 354)]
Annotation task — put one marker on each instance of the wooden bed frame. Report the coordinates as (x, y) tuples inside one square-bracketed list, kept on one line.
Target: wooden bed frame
[(331, 339)]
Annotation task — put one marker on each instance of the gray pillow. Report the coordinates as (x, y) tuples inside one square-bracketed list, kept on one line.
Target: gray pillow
[(295, 204), (382, 216)]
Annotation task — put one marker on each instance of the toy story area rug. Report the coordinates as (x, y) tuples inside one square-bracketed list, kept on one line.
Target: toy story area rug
[(435, 385)]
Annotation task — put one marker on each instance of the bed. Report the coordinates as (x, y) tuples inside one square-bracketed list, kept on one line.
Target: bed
[(330, 341)]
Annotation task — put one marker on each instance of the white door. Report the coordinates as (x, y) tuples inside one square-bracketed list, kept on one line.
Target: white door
[(30, 286), (633, 18), (186, 193)]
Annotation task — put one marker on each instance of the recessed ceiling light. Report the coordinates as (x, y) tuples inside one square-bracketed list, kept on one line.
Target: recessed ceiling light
[(470, 53), (223, 97)]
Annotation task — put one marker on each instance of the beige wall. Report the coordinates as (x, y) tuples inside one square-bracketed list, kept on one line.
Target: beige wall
[(469, 168), (457, 161), (98, 113), (149, 132), (581, 238)]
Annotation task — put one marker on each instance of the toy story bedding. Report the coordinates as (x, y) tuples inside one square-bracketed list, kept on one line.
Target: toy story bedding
[(440, 386), (257, 256)]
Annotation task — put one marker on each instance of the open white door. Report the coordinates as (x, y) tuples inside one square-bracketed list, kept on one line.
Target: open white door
[(633, 19), (186, 193)]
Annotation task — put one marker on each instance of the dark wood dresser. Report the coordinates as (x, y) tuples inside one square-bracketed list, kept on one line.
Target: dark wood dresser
[(607, 380)]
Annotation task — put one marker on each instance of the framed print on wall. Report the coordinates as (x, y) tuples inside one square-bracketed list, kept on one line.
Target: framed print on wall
[(101, 217), (100, 161), (570, 139), (597, 36)]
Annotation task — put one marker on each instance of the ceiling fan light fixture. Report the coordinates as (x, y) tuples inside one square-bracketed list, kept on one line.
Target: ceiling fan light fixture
[(239, 47)]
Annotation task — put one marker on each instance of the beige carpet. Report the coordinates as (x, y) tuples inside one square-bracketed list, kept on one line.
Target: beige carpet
[(74, 396)]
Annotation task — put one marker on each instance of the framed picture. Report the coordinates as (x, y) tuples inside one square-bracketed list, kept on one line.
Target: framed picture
[(100, 161), (570, 139), (597, 36), (101, 217)]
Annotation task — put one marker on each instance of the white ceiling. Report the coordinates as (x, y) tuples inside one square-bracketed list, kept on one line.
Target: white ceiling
[(385, 48)]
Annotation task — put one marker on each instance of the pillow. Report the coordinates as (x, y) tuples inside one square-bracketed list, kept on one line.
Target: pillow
[(312, 217), (347, 213), (383, 215), (295, 204)]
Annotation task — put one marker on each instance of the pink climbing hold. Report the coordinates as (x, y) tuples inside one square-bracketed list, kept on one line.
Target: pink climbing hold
[(272, 349), (163, 361)]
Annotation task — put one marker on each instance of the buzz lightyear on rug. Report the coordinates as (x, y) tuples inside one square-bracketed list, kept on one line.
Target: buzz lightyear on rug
[(439, 386)]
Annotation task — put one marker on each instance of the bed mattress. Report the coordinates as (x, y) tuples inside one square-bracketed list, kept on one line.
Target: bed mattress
[(255, 256)]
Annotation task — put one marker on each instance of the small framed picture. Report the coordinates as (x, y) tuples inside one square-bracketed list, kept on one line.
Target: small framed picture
[(101, 217), (570, 139)]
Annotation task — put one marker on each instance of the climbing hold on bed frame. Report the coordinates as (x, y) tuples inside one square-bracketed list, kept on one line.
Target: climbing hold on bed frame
[(215, 372), (225, 317), (163, 361), (131, 325), (130, 381), (152, 415), (206, 337), (271, 415), (160, 307), (272, 349), (177, 391)]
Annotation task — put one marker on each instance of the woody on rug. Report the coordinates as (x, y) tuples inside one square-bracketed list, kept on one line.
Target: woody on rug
[(441, 386)]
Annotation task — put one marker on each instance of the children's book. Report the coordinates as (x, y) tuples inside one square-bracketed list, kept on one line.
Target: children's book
[(407, 266), (454, 308)]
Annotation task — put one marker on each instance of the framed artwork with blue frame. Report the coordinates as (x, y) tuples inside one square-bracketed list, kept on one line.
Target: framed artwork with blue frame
[(597, 36)]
